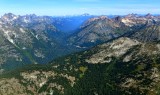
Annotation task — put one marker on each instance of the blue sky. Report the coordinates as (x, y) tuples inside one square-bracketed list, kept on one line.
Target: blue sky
[(74, 7)]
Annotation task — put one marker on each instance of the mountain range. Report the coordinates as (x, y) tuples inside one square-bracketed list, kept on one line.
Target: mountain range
[(98, 55), (32, 39)]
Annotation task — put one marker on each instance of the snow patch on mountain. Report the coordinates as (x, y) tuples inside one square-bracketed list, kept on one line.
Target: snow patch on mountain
[(21, 29), (7, 35)]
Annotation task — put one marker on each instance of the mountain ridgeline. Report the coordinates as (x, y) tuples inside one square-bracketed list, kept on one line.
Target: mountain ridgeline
[(32, 39), (106, 56)]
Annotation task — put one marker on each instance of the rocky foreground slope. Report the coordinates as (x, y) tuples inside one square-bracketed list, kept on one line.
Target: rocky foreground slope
[(120, 67)]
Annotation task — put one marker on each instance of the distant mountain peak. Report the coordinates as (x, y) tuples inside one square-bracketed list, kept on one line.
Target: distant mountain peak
[(85, 14), (131, 15), (9, 16), (117, 18), (31, 15), (97, 18), (94, 19), (149, 16)]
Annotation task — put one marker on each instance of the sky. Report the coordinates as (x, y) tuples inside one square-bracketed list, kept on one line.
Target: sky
[(76, 7)]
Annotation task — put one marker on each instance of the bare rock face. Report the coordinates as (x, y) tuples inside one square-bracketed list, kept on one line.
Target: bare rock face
[(119, 48), (132, 20), (149, 33), (116, 48)]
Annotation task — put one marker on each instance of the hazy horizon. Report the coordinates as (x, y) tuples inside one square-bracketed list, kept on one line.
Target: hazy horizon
[(77, 7), (81, 14)]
